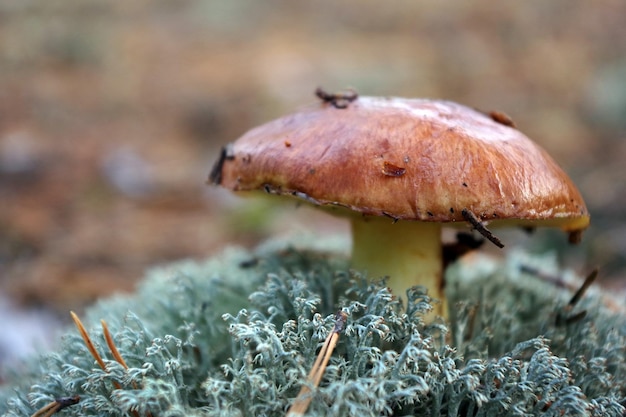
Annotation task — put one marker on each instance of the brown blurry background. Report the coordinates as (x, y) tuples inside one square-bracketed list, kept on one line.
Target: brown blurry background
[(112, 112)]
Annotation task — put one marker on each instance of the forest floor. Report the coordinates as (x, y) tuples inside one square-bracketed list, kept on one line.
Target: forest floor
[(112, 113)]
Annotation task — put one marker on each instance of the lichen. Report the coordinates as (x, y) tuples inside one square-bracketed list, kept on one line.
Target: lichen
[(238, 334)]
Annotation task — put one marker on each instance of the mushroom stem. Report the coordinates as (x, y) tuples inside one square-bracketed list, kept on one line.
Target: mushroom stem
[(409, 253)]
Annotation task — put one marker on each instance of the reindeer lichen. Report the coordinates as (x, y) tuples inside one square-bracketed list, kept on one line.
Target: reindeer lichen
[(237, 336)]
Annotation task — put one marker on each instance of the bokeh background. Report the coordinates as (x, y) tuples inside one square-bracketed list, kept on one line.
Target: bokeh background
[(112, 113)]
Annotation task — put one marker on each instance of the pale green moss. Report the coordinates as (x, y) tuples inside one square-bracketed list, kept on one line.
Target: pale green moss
[(237, 335)]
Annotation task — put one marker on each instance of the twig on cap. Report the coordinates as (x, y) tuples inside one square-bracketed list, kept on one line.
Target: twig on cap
[(480, 227), (302, 401), (337, 100), (226, 154), (391, 216), (502, 118)]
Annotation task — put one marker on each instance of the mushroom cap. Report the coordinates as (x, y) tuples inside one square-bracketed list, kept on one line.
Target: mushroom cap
[(408, 159)]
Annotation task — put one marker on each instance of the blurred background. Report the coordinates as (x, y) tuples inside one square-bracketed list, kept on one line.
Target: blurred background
[(112, 113)]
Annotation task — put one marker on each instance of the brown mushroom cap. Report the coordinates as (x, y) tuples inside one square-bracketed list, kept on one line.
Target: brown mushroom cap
[(409, 159)]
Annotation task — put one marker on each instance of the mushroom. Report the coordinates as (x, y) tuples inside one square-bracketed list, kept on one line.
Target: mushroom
[(399, 169)]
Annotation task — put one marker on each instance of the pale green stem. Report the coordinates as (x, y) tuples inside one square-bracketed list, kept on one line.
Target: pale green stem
[(409, 253)]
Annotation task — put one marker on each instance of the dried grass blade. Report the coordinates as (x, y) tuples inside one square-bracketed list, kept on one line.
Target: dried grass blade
[(304, 398), (111, 344), (87, 339)]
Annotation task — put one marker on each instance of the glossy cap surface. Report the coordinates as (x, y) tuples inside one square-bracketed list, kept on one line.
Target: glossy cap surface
[(409, 159)]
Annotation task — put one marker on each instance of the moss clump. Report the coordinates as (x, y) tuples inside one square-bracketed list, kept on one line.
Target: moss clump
[(237, 335)]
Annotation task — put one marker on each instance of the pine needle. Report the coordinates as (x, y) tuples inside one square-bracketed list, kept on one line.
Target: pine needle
[(305, 396)]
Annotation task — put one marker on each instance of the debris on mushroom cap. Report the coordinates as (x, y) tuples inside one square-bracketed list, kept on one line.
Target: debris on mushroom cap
[(410, 159)]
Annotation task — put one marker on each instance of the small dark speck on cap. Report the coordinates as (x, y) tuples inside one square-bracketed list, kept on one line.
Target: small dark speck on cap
[(502, 118), (392, 170)]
